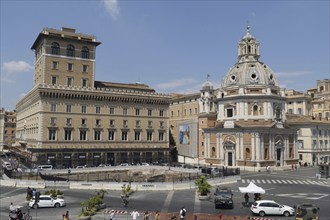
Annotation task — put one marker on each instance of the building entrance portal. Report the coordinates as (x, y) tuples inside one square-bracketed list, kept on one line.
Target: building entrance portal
[(230, 159), (278, 157)]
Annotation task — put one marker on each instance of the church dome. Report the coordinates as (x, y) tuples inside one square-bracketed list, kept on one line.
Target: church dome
[(249, 70)]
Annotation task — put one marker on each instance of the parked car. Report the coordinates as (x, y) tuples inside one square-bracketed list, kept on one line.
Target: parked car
[(270, 207), (144, 164), (80, 167), (124, 164), (47, 201), (307, 212), (223, 197)]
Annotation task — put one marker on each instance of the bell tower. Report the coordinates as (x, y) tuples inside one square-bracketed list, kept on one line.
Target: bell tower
[(248, 48)]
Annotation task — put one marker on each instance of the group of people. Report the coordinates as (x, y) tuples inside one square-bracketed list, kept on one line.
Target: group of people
[(135, 214), (15, 213)]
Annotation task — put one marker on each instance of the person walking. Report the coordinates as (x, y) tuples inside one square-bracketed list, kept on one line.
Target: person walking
[(146, 215), (11, 207), (66, 216), (246, 197), (183, 213), (220, 216), (135, 214), (157, 215)]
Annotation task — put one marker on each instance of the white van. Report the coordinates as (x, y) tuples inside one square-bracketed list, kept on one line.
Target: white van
[(45, 167)]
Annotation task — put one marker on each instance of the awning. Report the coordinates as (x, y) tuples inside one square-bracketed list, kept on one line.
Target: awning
[(252, 188)]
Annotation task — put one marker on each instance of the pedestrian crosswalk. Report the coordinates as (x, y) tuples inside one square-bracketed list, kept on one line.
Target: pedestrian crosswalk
[(291, 181)]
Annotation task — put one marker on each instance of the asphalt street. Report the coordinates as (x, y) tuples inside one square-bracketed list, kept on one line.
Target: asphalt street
[(290, 187)]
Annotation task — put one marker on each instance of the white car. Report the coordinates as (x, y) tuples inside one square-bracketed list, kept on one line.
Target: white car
[(144, 164), (270, 207), (47, 201), (124, 164)]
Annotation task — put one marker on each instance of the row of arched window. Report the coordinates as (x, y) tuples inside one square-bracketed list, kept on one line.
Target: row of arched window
[(70, 50)]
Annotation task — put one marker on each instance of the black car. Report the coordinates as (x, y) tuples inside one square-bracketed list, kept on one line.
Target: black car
[(223, 197)]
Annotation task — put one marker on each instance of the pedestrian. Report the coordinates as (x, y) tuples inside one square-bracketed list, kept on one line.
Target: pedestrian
[(66, 216), (173, 217), (246, 197), (183, 213), (146, 215), (135, 214), (11, 207), (157, 215), (295, 166), (292, 166), (220, 216)]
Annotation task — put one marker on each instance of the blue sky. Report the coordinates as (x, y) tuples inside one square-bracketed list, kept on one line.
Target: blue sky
[(170, 45)]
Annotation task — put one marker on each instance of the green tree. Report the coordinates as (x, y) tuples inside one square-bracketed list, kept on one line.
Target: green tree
[(203, 186)]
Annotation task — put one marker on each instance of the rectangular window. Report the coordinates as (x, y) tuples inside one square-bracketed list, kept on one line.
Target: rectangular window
[(84, 83), (69, 81), (83, 121), (53, 121), (85, 68), (112, 123), (67, 134), (178, 113), (111, 136), (83, 109), (52, 134), (125, 123), (137, 111), (83, 135), (299, 111), (171, 113), (137, 123), (149, 112), (229, 112), (70, 66), (149, 135), (161, 136), (149, 124), (290, 111), (124, 135), (161, 113), (161, 124), (137, 135), (97, 109), (98, 122), (69, 121), (68, 108), (112, 110), (124, 111), (195, 111), (97, 135), (54, 80), (190, 111), (53, 107), (54, 65)]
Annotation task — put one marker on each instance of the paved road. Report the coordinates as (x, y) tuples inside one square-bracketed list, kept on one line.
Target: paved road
[(304, 188)]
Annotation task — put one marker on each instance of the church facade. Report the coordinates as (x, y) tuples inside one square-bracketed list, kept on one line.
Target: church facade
[(250, 125)]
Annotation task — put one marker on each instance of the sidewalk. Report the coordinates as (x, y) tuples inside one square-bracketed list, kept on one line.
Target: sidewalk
[(167, 216)]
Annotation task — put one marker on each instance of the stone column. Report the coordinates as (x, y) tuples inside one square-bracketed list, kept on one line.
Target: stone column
[(252, 146), (237, 147), (262, 150), (257, 135), (208, 145), (241, 146), (221, 146), (218, 145)]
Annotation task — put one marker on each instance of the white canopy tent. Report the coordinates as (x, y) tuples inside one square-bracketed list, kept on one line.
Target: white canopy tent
[(252, 188)]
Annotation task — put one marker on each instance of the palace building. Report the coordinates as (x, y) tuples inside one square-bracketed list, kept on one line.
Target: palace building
[(70, 119)]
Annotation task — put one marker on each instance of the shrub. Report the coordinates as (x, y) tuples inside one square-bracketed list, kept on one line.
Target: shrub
[(203, 186)]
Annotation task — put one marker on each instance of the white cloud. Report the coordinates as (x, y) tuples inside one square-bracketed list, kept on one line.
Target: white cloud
[(111, 6), (16, 67), (176, 83)]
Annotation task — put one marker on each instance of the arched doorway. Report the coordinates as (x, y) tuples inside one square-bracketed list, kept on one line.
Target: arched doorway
[(229, 154), (279, 151)]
